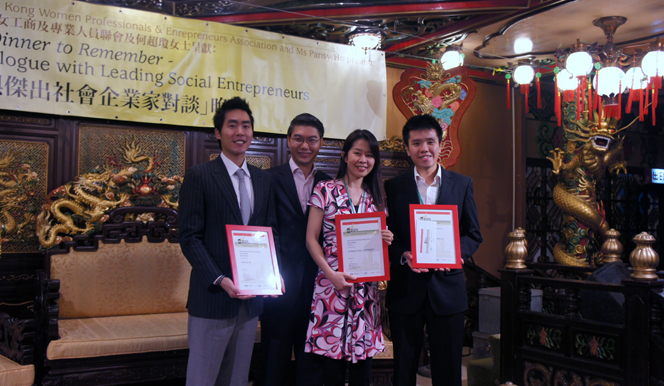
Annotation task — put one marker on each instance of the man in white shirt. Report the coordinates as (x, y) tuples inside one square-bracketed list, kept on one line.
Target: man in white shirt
[(425, 297)]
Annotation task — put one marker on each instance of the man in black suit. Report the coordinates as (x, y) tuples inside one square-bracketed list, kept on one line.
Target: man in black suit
[(285, 319), (222, 325), (419, 297)]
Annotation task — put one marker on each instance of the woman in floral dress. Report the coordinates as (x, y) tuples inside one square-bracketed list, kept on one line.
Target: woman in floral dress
[(344, 325)]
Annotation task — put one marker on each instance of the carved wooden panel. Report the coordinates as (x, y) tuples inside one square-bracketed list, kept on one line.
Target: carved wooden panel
[(103, 146)]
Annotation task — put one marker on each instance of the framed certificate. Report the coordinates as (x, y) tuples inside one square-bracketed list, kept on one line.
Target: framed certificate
[(362, 252), (253, 260), (435, 236)]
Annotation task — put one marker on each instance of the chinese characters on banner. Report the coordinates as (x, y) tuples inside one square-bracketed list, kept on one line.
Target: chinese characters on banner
[(74, 58)]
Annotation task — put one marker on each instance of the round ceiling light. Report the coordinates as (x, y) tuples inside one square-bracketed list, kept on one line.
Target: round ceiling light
[(523, 45)]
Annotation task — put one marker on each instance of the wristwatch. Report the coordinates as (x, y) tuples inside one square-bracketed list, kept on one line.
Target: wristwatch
[(220, 279)]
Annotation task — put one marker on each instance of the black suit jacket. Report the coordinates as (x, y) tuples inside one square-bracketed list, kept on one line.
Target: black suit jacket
[(207, 203), (407, 290), (296, 267)]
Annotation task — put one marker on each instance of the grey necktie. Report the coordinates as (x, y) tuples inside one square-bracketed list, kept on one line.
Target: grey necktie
[(245, 205)]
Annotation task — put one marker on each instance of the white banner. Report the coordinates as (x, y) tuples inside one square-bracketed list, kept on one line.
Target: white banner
[(75, 58)]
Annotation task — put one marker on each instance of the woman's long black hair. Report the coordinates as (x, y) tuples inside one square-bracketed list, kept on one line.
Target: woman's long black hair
[(373, 182)]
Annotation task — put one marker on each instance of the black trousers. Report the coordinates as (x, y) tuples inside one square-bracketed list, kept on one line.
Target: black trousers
[(445, 345), (283, 333), (319, 370)]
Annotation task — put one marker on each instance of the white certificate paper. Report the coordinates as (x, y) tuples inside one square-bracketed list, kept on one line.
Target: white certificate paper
[(255, 271), (361, 250), (435, 237)]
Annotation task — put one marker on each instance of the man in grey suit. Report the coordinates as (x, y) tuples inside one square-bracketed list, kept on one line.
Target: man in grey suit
[(222, 325)]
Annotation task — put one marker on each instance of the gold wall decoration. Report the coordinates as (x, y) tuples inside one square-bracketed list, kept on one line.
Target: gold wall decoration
[(118, 167), (446, 95), (393, 144), (261, 162), (333, 143), (102, 146), (29, 120), (395, 163), (23, 181), (319, 160)]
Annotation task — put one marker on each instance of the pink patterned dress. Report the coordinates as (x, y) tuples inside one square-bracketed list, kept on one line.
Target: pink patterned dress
[(343, 324)]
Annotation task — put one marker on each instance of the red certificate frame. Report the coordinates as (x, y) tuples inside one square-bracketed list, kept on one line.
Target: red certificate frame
[(418, 238), (343, 220), (251, 265)]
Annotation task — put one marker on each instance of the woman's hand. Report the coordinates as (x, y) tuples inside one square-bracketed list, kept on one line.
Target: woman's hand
[(339, 280), (387, 236)]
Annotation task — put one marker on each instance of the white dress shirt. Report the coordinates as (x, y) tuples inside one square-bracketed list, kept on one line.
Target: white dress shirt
[(429, 193)]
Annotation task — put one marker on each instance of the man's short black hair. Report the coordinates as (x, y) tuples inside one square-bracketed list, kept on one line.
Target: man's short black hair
[(421, 122), (235, 103), (306, 119)]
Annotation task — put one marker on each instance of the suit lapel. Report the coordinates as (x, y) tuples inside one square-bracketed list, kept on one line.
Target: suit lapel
[(261, 192), (318, 178), (225, 185), (288, 182), (411, 189), (445, 186)]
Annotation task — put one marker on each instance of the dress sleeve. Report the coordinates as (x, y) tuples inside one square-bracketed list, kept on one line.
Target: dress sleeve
[(317, 198)]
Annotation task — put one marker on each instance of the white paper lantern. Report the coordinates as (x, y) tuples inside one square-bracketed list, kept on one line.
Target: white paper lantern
[(653, 63), (579, 63), (567, 81), (634, 79), (609, 81), (524, 74), (451, 59)]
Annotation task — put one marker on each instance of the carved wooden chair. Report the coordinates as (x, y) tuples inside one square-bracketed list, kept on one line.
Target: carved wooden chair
[(16, 351), (111, 306)]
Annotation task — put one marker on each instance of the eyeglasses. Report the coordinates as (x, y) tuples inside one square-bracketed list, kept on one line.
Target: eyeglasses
[(310, 141)]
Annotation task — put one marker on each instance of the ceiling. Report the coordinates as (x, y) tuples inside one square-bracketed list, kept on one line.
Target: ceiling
[(416, 31)]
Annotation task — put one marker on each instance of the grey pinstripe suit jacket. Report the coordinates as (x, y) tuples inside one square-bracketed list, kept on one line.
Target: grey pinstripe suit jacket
[(207, 203)]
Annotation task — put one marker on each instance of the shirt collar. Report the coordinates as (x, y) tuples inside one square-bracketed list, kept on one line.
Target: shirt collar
[(232, 167), (436, 179), (294, 167)]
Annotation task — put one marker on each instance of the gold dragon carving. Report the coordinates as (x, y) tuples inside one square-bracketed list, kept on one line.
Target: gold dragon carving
[(81, 206), (590, 148), (17, 189)]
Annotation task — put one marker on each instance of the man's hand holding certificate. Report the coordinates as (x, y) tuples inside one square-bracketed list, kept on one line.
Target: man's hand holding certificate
[(435, 237)]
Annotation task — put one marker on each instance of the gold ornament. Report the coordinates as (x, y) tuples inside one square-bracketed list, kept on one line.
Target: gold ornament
[(644, 259), (612, 248), (517, 250)]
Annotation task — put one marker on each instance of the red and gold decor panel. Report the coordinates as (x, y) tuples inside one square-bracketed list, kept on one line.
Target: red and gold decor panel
[(23, 181), (444, 94)]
